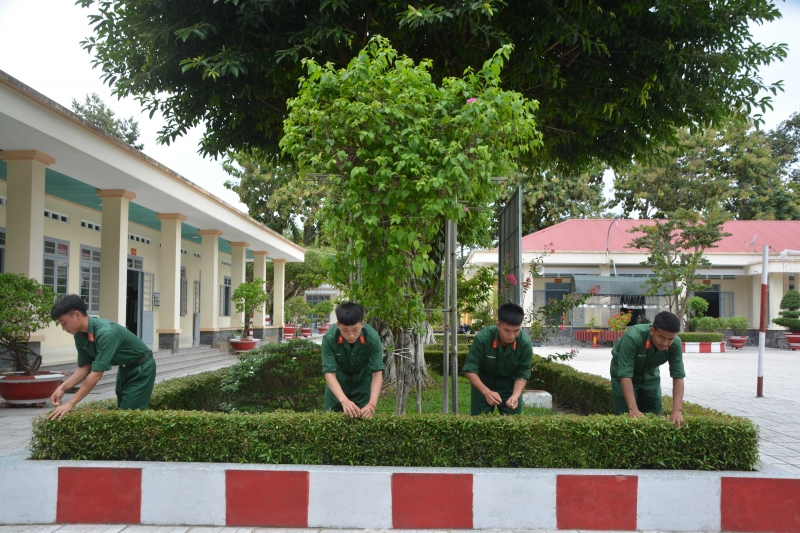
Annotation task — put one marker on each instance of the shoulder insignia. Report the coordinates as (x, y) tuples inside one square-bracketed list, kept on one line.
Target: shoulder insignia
[(341, 340), (515, 345), (494, 344), (91, 337), (647, 344), (362, 339)]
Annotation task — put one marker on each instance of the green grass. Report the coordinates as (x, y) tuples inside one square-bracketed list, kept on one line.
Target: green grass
[(432, 400)]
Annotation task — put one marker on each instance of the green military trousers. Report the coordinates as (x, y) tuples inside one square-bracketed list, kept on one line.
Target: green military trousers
[(647, 394), (504, 386), (357, 391), (135, 385)]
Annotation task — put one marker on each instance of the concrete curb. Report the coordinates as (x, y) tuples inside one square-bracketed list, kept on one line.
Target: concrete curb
[(298, 496), (704, 347)]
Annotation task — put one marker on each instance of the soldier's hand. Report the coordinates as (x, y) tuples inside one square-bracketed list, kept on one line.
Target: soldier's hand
[(351, 409), (635, 413), (512, 402), (60, 411), (55, 398), (368, 411), (676, 418), (493, 398)]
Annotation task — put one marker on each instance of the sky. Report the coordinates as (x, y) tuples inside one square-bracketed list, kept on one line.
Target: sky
[(40, 40)]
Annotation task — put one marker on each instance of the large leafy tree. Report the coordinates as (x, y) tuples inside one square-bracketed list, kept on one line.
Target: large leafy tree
[(734, 167), (613, 77), (98, 113), (275, 194), (785, 143), (401, 154)]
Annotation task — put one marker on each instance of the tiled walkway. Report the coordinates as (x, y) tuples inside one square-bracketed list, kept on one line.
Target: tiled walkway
[(727, 382)]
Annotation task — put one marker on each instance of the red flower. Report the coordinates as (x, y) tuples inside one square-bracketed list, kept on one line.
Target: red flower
[(511, 279), (561, 327), (594, 290), (471, 100)]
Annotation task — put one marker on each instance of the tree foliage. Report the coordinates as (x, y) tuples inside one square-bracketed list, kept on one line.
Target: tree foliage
[(25, 309), (613, 78), (785, 143), (401, 155), (734, 167), (676, 248), (247, 297), (96, 112), (275, 194)]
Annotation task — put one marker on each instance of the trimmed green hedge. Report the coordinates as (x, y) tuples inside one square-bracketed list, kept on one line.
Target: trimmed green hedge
[(719, 443), (693, 336), (435, 355)]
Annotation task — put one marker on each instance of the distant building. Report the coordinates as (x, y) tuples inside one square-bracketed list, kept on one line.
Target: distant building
[(592, 252)]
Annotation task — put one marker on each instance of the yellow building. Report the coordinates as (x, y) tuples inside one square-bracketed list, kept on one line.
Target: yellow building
[(85, 213)]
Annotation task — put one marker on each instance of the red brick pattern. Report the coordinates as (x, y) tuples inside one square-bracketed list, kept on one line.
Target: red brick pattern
[(93, 495), (596, 502), (432, 501)]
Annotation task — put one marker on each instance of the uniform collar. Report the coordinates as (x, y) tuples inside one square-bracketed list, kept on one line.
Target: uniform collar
[(496, 345)]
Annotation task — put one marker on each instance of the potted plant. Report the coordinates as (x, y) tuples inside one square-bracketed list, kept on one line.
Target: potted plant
[(790, 318), (323, 312), (619, 323), (26, 309), (296, 310), (738, 325), (593, 326), (247, 297)]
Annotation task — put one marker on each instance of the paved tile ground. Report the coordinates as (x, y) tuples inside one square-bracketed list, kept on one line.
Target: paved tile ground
[(727, 382), (85, 528)]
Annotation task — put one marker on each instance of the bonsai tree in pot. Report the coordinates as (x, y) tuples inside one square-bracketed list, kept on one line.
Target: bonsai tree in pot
[(738, 325), (323, 312), (296, 310), (26, 308), (248, 297), (790, 318)]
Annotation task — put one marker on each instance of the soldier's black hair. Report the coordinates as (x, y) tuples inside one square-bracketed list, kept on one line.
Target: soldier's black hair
[(666, 321), (67, 304), (349, 313), (510, 314)]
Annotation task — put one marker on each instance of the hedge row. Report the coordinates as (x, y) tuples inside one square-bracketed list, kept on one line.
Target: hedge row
[(693, 336), (704, 443), (589, 394), (434, 357)]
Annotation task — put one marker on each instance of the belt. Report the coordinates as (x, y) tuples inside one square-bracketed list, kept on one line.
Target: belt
[(142, 360)]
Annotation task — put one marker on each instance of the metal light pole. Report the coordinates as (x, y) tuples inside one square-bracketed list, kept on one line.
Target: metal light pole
[(446, 347), (454, 320), (762, 332)]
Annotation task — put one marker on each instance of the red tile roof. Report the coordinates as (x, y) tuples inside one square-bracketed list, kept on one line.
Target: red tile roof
[(589, 235)]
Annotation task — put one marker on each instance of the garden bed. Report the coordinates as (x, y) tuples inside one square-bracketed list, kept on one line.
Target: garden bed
[(182, 426)]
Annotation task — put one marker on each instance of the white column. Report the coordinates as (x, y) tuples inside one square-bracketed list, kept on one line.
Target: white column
[(278, 291), (114, 253), (775, 288), (238, 263), (25, 211), (260, 272), (169, 321), (209, 285)]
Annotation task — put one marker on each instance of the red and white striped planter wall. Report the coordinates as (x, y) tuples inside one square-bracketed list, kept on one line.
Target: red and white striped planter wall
[(703, 347), (405, 498)]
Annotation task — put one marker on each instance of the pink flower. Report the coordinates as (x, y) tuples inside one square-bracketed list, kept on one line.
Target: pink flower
[(471, 100), (594, 290), (552, 250), (40, 291), (563, 317), (511, 279), (561, 327), (466, 209)]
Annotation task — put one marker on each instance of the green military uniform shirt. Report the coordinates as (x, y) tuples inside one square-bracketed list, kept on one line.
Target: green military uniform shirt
[(635, 357), (498, 367), (353, 365), (108, 344)]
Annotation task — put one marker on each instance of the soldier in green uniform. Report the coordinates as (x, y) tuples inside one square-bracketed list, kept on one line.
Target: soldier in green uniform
[(352, 361), (499, 363), (635, 377), (102, 344)]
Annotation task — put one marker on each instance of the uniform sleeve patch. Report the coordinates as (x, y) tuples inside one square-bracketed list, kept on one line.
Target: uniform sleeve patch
[(341, 340), (494, 344)]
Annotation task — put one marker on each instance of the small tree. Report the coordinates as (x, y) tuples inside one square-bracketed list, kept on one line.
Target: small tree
[(790, 314), (677, 246), (696, 308), (247, 297), (297, 310), (25, 308), (323, 310), (401, 155), (738, 325), (95, 111)]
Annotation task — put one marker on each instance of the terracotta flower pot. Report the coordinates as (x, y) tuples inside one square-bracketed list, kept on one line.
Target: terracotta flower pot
[(305, 332), (243, 345), (737, 341), (21, 389), (323, 329), (288, 332), (793, 339)]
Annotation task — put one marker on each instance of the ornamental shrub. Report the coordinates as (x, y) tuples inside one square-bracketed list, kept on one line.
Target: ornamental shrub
[(790, 311), (25, 308), (738, 324), (708, 324), (276, 376), (701, 337)]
